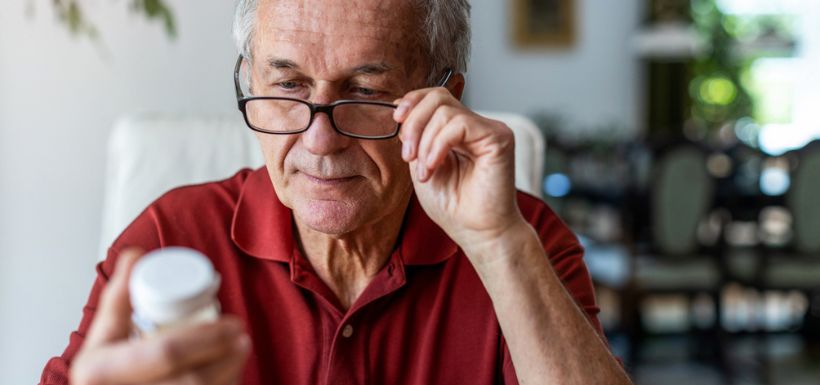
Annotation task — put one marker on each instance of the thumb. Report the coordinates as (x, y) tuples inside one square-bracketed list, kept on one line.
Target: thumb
[(112, 320), (413, 169)]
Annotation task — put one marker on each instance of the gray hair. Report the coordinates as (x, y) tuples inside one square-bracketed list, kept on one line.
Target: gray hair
[(445, 29)]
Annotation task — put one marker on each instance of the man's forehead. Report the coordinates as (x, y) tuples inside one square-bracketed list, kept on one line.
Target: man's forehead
[(325, 31), (366, 16), (305, 56)]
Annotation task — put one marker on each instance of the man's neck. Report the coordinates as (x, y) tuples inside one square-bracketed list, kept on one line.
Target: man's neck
[(348, 263)]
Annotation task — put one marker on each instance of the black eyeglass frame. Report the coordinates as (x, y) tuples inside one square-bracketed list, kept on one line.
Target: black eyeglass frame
[(243, 100)]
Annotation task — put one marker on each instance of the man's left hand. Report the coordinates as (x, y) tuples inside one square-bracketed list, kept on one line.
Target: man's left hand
[(462, 165)]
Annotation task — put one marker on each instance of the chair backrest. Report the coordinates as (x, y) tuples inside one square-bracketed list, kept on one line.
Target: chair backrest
[(681, 195), (530, 147), (149, 155), (803, 200)]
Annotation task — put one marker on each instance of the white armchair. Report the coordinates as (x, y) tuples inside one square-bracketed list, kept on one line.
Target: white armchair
[(149, 155)]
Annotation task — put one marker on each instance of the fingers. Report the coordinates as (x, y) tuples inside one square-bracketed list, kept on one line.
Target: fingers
[(112, 320), (414, 113), (429, 134), (202, 354), (168, 355), (224, 372), (434, 123), (447, 137)]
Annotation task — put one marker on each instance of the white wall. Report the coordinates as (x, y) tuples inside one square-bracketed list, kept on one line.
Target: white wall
[(593, 84), (60, 95), (58, 98)]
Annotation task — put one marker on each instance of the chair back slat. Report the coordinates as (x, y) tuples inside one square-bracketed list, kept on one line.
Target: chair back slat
[(803, 201), (680, 198)]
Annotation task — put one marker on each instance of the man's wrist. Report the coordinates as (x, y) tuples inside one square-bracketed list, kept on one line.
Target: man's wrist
[(503, 247)]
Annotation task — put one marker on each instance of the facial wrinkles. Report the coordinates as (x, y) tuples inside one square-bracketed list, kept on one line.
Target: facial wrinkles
[(329, 166), (322, 35), (358, 18), (326, 44)]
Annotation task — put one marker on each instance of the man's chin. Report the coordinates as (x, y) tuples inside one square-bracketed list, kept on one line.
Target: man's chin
[(328, 216)]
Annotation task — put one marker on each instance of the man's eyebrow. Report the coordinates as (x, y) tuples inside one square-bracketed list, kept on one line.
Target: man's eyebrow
[(282, 63), (372, 69), (366, 69)]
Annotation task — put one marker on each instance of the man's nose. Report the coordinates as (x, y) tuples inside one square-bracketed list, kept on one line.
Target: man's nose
[(321, 138)]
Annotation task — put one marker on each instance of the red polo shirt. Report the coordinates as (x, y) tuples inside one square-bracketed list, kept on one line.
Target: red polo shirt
[(424, 319)]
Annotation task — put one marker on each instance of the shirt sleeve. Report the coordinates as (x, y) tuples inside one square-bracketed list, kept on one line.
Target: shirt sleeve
[(141, 233)]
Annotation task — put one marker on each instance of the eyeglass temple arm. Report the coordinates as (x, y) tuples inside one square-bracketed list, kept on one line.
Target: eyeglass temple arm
[(239, 94), (446, 78)]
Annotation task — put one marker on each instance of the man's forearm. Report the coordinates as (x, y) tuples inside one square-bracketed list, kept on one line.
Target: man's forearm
[(549, 338)]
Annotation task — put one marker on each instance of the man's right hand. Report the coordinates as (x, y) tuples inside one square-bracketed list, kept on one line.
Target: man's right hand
[(204, 354)]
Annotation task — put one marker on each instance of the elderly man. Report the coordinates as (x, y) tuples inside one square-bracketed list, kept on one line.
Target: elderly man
[(383, 242)]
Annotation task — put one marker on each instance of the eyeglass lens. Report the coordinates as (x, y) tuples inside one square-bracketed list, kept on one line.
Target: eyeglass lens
[(286, 116)]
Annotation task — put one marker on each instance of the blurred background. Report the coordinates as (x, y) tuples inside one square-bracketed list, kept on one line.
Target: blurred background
[(679, 148)]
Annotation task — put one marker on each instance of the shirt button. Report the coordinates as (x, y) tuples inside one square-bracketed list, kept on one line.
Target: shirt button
[(347, 331)]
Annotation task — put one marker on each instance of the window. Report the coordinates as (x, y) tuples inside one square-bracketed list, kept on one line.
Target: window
[(780, 44)]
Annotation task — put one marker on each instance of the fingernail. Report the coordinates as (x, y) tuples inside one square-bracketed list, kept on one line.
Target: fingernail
[(401, 110), (405, 150), (243, 343), (422, 171)]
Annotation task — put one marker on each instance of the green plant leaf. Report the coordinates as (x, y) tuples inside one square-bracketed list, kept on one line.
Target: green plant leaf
[(156, 9), (70, 13), (74, 17), (153, 8), (170, 25)]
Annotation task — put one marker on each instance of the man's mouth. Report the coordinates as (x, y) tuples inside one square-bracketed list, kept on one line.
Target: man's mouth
[(328, 181)]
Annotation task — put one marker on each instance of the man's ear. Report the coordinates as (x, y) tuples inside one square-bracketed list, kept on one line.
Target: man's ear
[(456, 85)]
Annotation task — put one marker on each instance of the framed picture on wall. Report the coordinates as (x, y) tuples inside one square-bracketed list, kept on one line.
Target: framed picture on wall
[(543, 23)]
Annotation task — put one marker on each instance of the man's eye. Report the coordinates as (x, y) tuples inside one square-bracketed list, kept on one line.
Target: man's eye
[(364, 91), (288, 85)]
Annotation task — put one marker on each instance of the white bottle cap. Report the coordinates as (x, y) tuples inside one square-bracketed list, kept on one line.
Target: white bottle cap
[(171, 283)]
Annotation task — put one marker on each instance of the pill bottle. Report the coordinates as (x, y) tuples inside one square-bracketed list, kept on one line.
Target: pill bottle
[(172, 287)]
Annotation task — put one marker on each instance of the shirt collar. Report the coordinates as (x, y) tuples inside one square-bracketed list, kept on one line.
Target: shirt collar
[(262, 227)]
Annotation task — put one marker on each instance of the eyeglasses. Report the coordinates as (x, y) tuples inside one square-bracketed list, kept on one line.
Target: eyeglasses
[(362, 119)]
